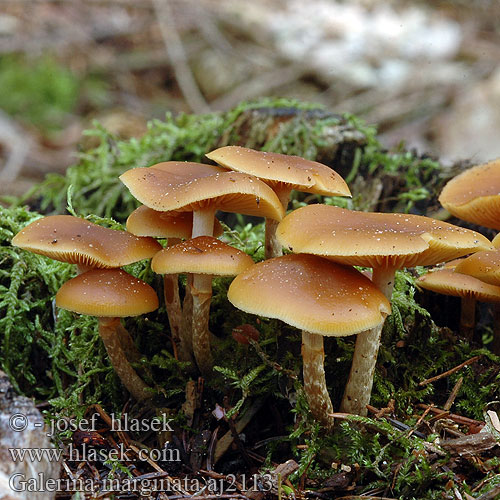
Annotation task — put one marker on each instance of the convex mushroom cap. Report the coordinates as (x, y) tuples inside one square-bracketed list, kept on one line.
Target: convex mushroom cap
[(275, 168), (163, 191), (107, 293), (201, 255), (376, 239), (310, 293), (447, 282), (474, 195), (77, 241), (484, 266)]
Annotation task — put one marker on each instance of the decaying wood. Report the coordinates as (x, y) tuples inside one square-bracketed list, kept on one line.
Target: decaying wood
[(22, 427), (472, 444)]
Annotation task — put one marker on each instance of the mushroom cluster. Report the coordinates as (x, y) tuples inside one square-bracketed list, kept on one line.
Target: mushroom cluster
[(315, 288), (473, 196)]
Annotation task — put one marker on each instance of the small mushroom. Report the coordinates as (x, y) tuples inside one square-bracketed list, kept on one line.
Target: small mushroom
[(203, 256), (174, 226), (283, 173), (77, 241), (110, 294), (319, 297), (474, 195), (485, 266), (448, 282), (384, 242)]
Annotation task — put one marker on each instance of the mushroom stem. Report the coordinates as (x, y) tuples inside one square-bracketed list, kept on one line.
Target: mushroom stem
[(203, 225), (313, 371), (108, 330), (174, 312), (187, 314), (273, 248), (467, 317), (359, 385), (202, 295)]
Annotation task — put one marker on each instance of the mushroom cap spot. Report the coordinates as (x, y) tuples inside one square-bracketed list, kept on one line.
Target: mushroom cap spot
[(484, 266), (144, 221), (310, 293), (447, 282), (77, 241), (275, 168), (201, 255), (376, 239), (474, 195), (226, 191), (107, 293)]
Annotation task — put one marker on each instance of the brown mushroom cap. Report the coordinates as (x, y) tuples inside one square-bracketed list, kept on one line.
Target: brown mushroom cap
[(484, 266), (448, 282), (376, 239), (474, 195), (226, 191), (310, 293), (77, 241), (107, 293), (201, 255), (274, 168), (144, 221)]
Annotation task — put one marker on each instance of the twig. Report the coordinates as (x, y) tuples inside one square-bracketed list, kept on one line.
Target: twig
[(178, 58), (453, 394), (449, 372), (459, 419)]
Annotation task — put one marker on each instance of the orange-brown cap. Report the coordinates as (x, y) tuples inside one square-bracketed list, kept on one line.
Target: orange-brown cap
[(201, 255), (447, 282), (144, 221), (474, 195), (77, 241), (226, 191), (275, 168), (484, 266), (376, 239), (107, 293), (310, 293)]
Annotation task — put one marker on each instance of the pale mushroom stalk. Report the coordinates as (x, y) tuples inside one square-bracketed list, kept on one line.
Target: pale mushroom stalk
[(313, 372), (109, 331), (201, 291), (360, 382), (273, 247)]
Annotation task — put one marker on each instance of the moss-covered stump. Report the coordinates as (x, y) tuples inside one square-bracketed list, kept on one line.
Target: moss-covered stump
[(56, 356)]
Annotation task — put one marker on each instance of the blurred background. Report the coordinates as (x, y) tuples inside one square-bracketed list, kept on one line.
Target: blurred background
[(426, 72)]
